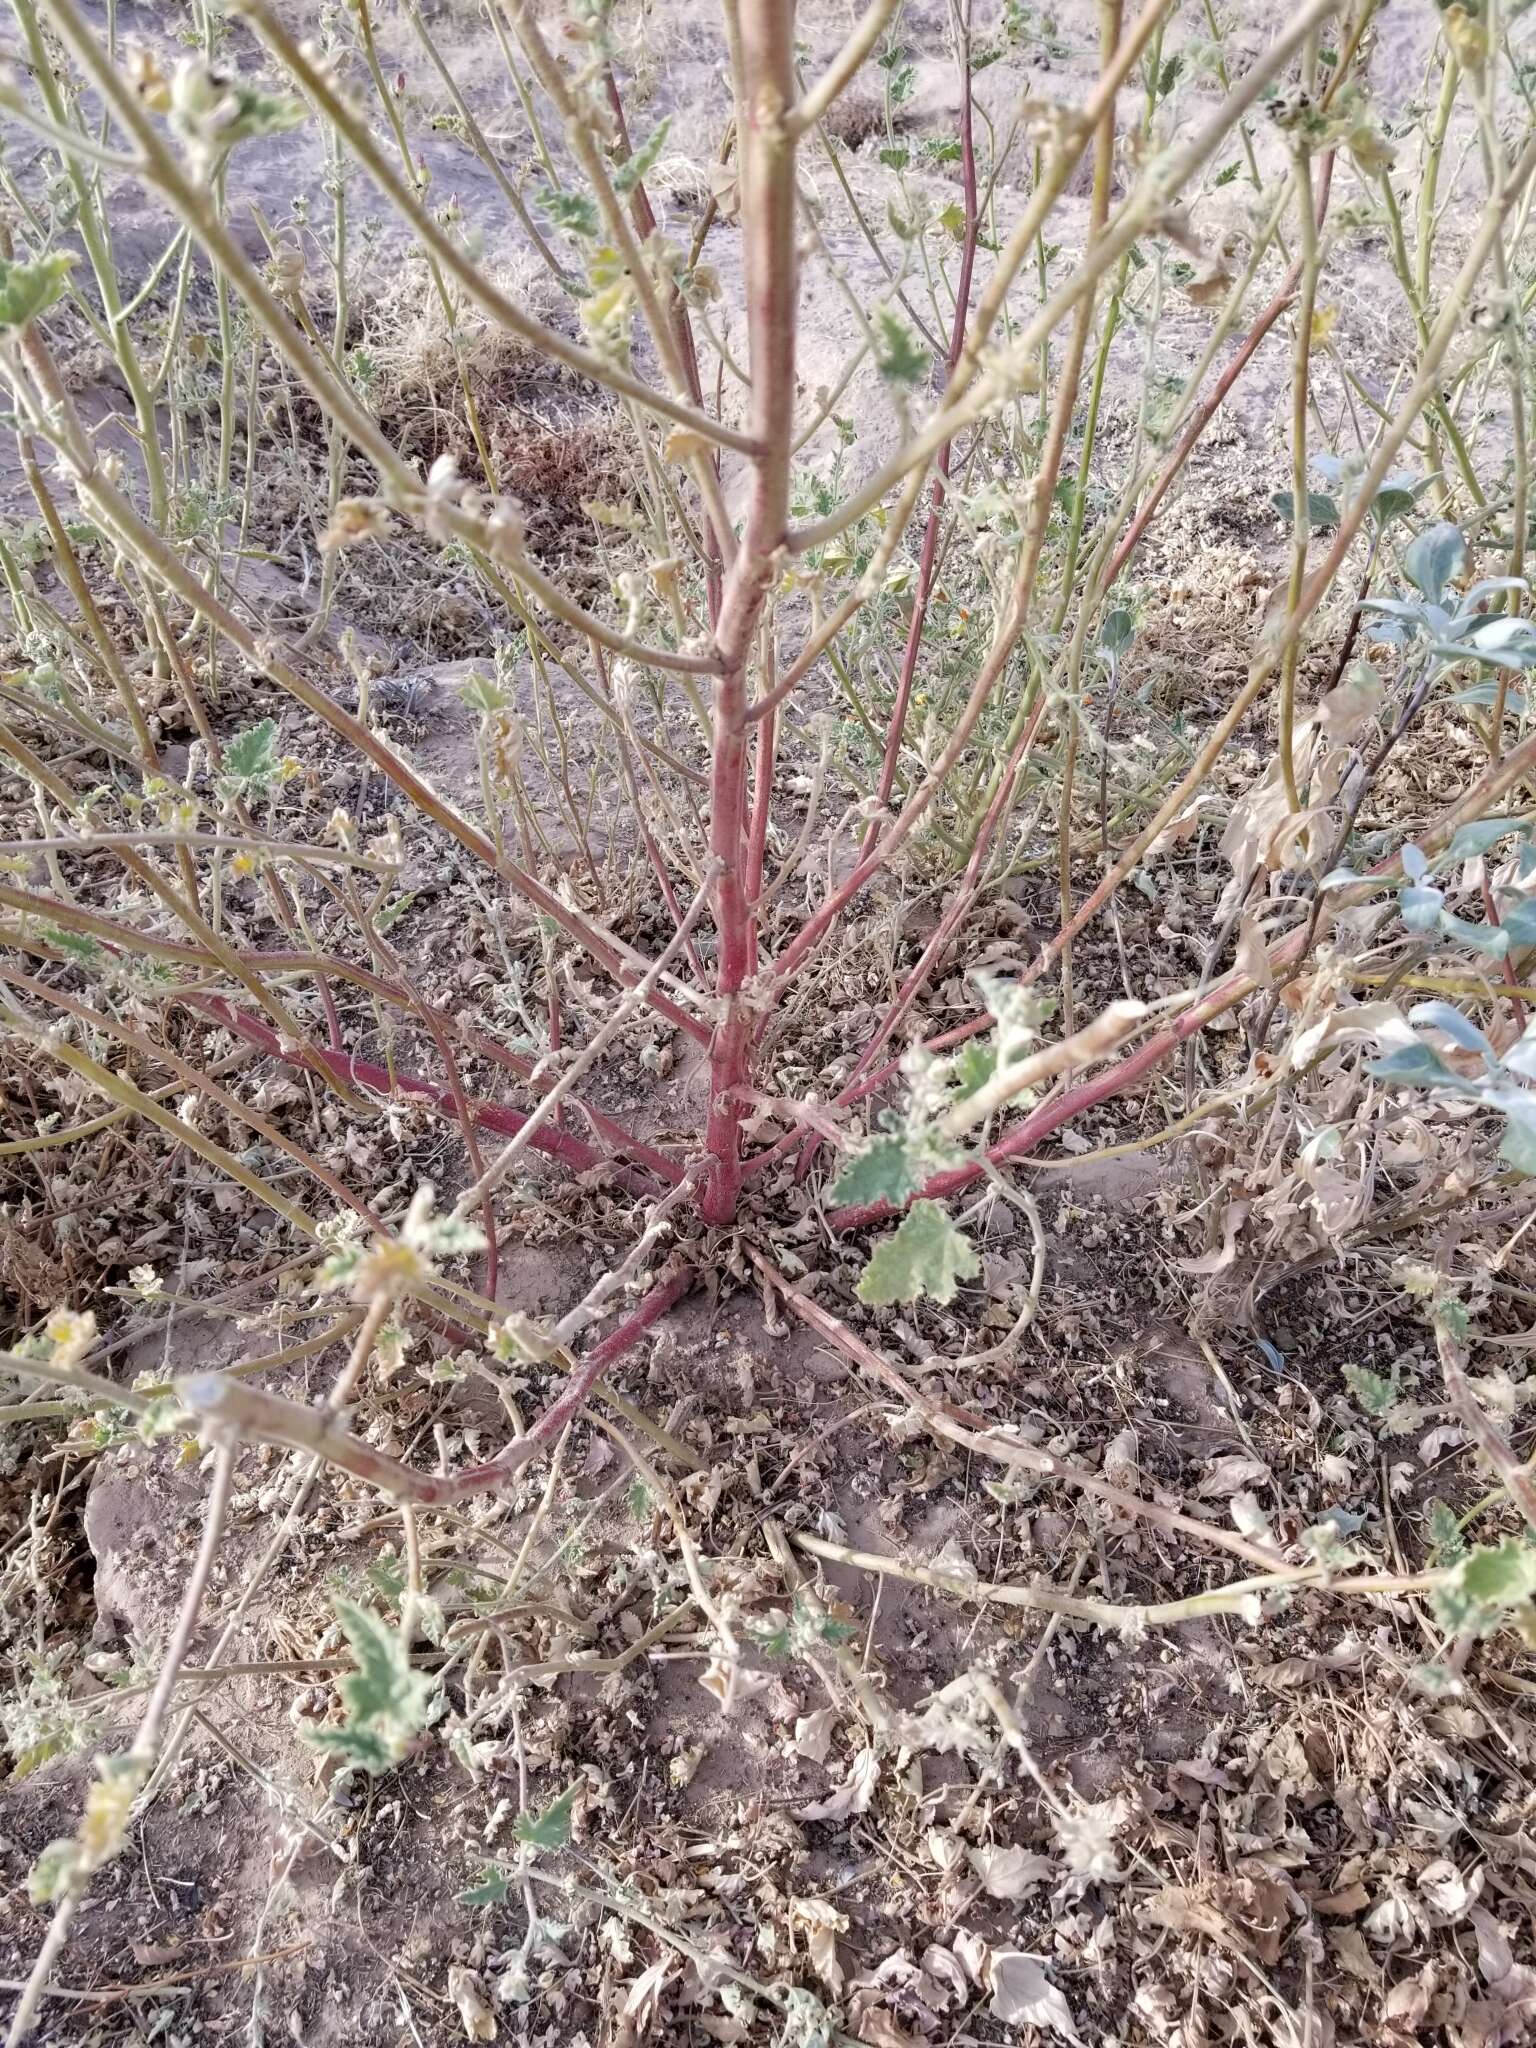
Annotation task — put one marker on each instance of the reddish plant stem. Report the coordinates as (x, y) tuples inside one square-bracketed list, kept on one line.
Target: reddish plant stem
[(1050, 1116), (1208, 408), (757, 837), (897, 724), (490, 1116), (937, 946), (643, 214), (767, 154), (74, 918), (637, 808), (228, 1407)]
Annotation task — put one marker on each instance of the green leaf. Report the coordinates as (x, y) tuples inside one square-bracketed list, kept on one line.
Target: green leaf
[(1398, 496), (572, 212), (1491, 939), (1322, 512), (258, 113), (489, 1889), (887, 1170), (360, 1747), (895, 159), (897, 355), (250, 760), (77, 946), (53, 1870), (627, 176), (1459, 1029), (1421, 909), (1374, 1393), (1433, 557), (386, 1701), (550, 1829), (1117, 631), (1518, 918), (1418, 1062), (1500, 1576), (1485, 1585), (27, 289), (394, 910), (483, 695), (1444, 1528), (386, 1575), (972, 1067), (1517, 1147), (1481, 834), (928, 1255)]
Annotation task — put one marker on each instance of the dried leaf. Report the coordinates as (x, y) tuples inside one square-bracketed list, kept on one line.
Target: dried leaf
[(1252, 955), (1215, 1262), (644, 1998), (852, 1796), (813, 1734), (467, 1991), (941, 1968), (821, 1924), (1010, 1873), (1023, 1996), (1229, 1475), (972, 1954)]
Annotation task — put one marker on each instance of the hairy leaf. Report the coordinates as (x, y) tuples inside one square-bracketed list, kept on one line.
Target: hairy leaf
[(27, 289), (887, 1170), (1481, 834), (1460, 1030), (489, 1889), (1322, 511), (1433, 557), (572, 212), (627, 176), (897, 354), (1485, 1586), (550, 1829), (250, 760), (386, 1701), (929, 1255), (1517, 1147)]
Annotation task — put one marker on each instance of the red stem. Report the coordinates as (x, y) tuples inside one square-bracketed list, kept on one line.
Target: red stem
[(490, 1116), (230, 1406), (772, 282), (1050, 1116), (897, 724), (1206, 411), (934, 951)]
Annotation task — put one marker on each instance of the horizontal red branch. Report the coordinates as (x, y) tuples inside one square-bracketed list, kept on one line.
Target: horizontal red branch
[(491, 1116), (231, 1408)]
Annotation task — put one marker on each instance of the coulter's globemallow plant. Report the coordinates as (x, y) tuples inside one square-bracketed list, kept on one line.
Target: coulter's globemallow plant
[(963, 600)]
